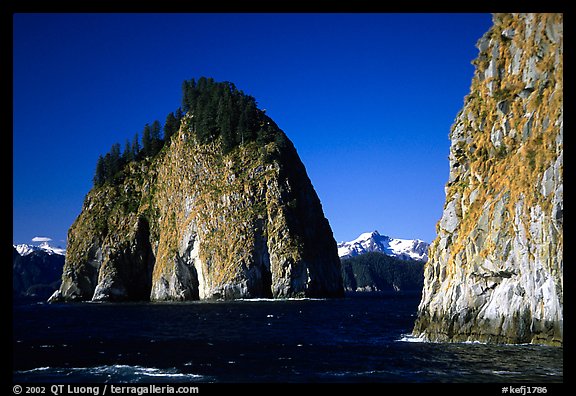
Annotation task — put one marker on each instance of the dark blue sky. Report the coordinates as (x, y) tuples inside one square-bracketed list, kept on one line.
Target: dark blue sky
[(367, 99)]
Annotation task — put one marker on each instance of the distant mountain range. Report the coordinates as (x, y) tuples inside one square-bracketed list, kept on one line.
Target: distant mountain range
[(36, 271), (405, 249), (25, 249)]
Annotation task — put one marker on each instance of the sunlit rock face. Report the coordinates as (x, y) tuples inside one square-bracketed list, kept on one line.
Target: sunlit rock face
[(495, 272)]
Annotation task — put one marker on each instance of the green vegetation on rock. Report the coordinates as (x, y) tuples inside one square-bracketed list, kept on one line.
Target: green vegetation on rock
[(215, 110)]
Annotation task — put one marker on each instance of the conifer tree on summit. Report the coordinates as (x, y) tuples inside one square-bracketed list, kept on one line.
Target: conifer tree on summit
[(156, 138), (135, 147), (100, 174), (147, 140), (171, 126), (127, 155)]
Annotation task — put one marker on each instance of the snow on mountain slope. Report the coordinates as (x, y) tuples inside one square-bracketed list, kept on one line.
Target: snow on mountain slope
[(25, 249), (414, 249)]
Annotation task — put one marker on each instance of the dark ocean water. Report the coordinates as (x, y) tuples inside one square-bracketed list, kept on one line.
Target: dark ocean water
[(355, 339)]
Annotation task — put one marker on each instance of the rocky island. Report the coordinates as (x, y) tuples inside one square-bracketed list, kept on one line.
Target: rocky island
[(221, 208), (495, 272)]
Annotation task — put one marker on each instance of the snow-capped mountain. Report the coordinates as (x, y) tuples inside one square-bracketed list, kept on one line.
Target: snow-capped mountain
[(414, 249), (25, 249), (36, 271)]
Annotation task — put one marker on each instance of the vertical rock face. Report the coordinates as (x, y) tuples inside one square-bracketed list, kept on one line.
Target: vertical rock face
[(495, 272), (194, 223)]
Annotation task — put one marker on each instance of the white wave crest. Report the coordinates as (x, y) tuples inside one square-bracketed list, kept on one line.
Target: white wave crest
[(412, 338), (116, 373)]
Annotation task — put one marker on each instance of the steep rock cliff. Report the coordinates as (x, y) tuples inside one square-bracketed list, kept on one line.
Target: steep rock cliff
[(495, 272), (196, 222)]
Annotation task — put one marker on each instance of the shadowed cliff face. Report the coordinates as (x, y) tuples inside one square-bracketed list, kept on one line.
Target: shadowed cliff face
[(495, 272), (194, 223)]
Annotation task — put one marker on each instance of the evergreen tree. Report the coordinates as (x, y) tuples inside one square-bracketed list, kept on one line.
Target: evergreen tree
[(115, 163), (127, 155), (179, 114), (136, 147), (100, 174), (156, 138), (170, 126), (147, 141), (186, 105), (108, 175)]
